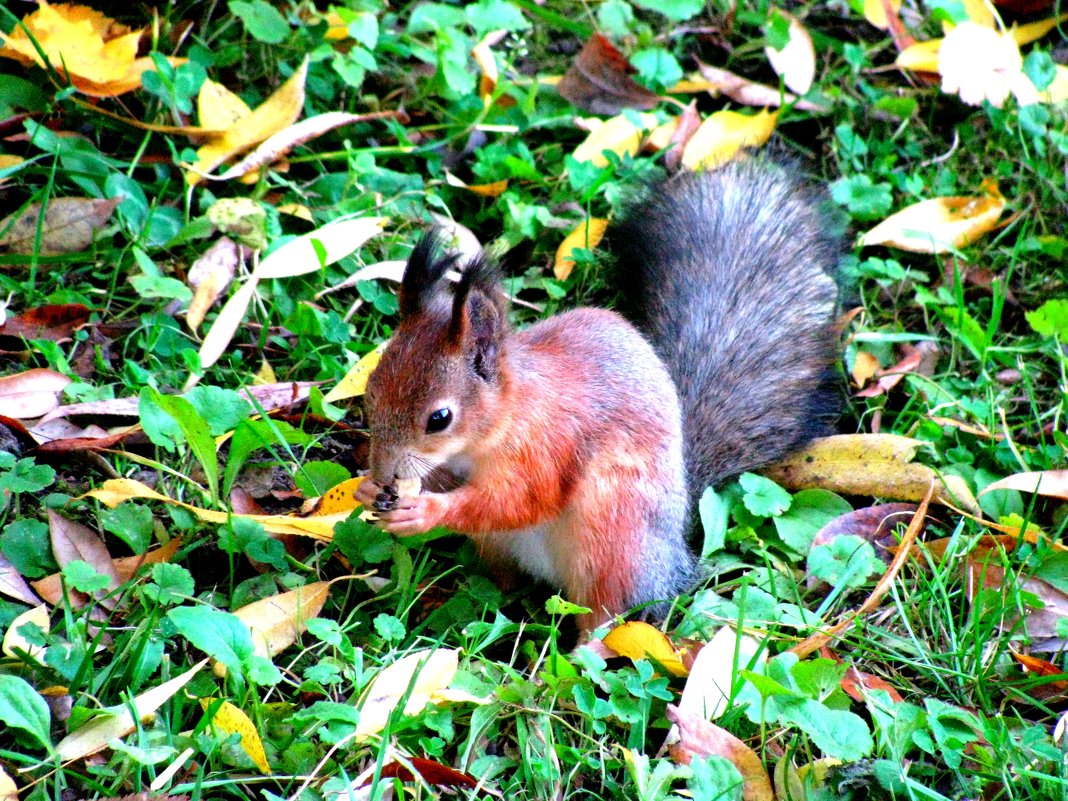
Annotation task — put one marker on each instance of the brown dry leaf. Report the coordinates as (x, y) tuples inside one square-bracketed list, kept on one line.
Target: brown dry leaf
[(70, 224), (869, 464), (31, 393), (920, 359), (723, 134), (874, 524), (14, 642), (856, 683), (54, 322), (587, 234), (1058, 688), (13, 585), (115, 722), (229, 719), (1040, 624), (278, 621), (865, 366), (1053, 483), (796, 62), (429, 771), (714, 673), (700, 737), (354, 383), (97, 54), (74, 542), (276, 113), (618, 135), (116, 490), (599, 81), (636, 639), (940, 224), (51, 587), (750, 93), (209, 277)]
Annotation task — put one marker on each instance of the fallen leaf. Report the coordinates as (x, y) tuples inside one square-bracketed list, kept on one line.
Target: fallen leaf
[(857, 684), (316, 249), (939, 224), (429, 771), (874, 524), (276, 113), (115, 722), (14, 642), (339, 498), (980, 63), (74, 542), (919, 359), (920, 57), (6, 163), (482, 53), (1040, 624), (714, 673), (750, 93), (354, 383), (427, 672), (209, 277), (1033, 31), (795, 63), (864, 366), (876, 12), (599, 81), (723, 134), (587, 234), (31, 393), (50, 588), (1053, 483), (13, 585), (700, 737), (869, 464), (54, 322), (9, 791), (636, 639), (70, 224), (229, 719), (618, 135), (218, 108), (802, 782), (492, 189), (1057, 688), (225, 326)]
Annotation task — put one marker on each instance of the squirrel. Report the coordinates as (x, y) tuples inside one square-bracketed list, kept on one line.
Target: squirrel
[(582, 442)]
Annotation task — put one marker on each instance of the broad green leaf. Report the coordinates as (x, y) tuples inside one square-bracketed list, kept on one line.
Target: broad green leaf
[(23, 709), (763, 497)]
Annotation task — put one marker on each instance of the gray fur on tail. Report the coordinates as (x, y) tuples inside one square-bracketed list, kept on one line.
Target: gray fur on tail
[(732, 276)]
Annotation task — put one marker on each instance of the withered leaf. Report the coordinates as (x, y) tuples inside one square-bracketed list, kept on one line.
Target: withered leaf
[(69, 225), (72, 541), (599, 81), (430, 771), (31, 393), (54, 322)]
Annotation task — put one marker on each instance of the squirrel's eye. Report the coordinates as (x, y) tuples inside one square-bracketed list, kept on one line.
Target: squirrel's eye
[(439, 420)]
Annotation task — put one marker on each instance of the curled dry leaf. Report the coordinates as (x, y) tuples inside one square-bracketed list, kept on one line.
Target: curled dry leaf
[(70, 224), (939, 224), (31, 393), (618, 135), (587, 234), (874, 524), (229, 719), (277, 112), (700, 737), (599, 81), (482, 53), (869, 464), (209, 276), (636, 639), (857, 684), (919, 359), (15, 642), (1053, 483), (795, 63), (723, 134), (354, 383), (1040, 624), (115, 722), (750, 93)]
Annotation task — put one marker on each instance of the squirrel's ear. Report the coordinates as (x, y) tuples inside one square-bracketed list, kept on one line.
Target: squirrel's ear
[(479, 319), (423, 276)]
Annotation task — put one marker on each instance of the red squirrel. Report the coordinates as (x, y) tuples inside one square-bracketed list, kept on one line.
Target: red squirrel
[(583, 441)]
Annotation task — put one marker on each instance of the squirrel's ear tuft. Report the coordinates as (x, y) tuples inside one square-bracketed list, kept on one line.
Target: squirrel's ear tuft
[(425, 271), (479, 316)]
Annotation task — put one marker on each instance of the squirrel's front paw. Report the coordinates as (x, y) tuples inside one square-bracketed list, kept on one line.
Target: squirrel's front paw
[(376, 497), (414, 515)]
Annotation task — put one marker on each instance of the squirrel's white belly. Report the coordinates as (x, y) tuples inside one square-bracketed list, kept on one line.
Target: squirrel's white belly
[(529, 547)]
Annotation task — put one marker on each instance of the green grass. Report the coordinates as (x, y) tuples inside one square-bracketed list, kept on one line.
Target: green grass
[(555, 722)]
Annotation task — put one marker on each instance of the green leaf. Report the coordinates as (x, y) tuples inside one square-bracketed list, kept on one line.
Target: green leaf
[(846, 560), (27, 546), (170, 584), (715, 777), (495, 15), (23, 709), (865, 199), (614, 17), (315, 478), (83, 577), (196, 431), (362, 543), (1050, 319), (675, 10), (27, 476), (1040, 68), (130, 522), (715, 517), (658, 66), (389, 628), (220, 635), (763, 497), (838, 733), (809, 511), (251, 435), (262, 20), (222, 409)]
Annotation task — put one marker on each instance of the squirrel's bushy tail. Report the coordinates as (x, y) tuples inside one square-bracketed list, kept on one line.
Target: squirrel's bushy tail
[(731, 274)]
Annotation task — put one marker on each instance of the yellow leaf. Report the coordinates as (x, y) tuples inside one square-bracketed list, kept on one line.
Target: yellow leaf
[(339, 498), (483, 56), (1057, 92), (588, 235), (638, 640), (428, 673), (692, 85), (723, 134), (354, 382), (6, 162), (218, 107), (14, 642), (276, 622), (978, 11), (229, 719), (796, 62), (920, 57), (1033, 31), (869, 464), (296, 210), (114, 491), (875, 12), (618, 135), (939, 224), (492, 189), (115, 722), (278, 111), (660, 137)]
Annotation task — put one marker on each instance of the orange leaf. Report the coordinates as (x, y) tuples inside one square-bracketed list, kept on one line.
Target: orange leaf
[(939, 224), (588, 235)]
